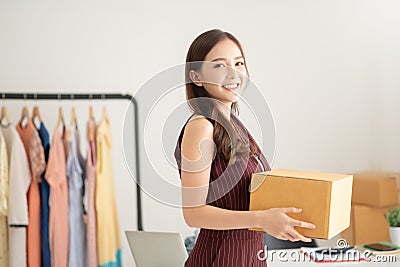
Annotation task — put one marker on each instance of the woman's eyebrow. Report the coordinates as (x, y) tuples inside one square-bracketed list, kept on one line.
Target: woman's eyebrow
[(224, 59)]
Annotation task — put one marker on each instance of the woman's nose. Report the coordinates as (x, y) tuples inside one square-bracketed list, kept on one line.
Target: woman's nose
[(231, 72)]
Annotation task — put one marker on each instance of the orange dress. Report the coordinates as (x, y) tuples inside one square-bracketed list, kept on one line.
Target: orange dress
[(34, 151)]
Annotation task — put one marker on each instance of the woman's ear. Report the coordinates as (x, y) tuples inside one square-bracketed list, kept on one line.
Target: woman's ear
[(195, 77)]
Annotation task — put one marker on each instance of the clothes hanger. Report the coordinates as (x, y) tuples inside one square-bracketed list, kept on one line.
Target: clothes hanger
[(73, 117), (91, 127), (4, 116), (73, 123), (36, 114), (24, 116), (4, 113), (91, 116), (105, 118), (60, 118), (24, 113), (60, 114)]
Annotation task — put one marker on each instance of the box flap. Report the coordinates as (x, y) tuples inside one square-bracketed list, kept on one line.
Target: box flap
[(322, 176)]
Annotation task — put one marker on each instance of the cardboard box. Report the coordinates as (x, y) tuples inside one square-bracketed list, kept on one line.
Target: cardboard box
[(398, 193), (348, 234), (324, 197), (368, 225), (377, 189)]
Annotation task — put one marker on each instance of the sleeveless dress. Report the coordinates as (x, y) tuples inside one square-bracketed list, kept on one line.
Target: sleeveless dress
[(237, 247)]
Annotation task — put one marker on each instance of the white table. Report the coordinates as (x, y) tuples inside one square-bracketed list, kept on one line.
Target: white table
[(293, 257)]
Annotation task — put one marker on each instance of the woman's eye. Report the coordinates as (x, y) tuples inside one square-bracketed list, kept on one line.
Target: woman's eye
[(218, 65), (240, 64)]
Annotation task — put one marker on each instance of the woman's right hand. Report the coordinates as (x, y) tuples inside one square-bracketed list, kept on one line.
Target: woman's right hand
[(277, 223)]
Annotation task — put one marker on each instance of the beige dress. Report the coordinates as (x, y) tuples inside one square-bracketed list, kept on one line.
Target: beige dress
[(3, 203), (19, 182)]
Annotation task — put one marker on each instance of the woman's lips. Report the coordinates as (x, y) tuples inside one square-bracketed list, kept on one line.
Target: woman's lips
[(231, 86)]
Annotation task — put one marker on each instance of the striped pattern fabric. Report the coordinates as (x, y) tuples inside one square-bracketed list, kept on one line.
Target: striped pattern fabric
[(223, 252), (238, 247), (36, 156)]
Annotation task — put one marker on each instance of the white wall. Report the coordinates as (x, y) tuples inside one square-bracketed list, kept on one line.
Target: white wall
[(328, 69)]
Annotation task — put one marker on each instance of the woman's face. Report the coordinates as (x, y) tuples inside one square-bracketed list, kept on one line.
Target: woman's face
[(223, 74)]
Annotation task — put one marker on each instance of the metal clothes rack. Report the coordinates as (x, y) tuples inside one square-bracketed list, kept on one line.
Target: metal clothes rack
[(73, 96)]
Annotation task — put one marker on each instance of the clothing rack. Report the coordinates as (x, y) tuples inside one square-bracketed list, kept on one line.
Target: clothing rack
[(73, 96)]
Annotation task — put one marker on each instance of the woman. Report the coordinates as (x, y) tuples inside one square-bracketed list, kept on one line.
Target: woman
[(216, 156)]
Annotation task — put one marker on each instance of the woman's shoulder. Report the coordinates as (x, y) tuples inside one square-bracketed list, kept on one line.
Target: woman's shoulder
[(195, 130), (199, 125), (195, 123), (201, 119)]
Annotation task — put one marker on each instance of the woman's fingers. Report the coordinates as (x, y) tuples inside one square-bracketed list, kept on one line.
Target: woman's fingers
[(290, 210), (292, 237), (302, 224), (284, 229), (283, 236), (298, 236), (297, 222)]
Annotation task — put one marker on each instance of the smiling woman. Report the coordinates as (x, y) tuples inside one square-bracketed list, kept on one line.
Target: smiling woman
[(227, 73), (216, 156), (216, 74)]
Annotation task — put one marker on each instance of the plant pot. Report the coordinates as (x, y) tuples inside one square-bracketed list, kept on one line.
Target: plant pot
[(395, 235)]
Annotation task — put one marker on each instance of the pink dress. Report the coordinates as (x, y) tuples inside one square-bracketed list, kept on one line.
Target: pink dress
[(90, 194), (58, 217)]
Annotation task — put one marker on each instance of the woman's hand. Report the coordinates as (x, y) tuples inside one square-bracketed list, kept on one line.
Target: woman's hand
[(277, 223)]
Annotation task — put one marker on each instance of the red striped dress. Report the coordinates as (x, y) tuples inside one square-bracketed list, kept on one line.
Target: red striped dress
[(238, 247)]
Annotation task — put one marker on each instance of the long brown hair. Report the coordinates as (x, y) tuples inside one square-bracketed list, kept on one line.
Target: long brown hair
[(223, 128)]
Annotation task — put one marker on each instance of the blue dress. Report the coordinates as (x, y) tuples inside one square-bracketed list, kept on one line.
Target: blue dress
[(77, 227), (44, 199)]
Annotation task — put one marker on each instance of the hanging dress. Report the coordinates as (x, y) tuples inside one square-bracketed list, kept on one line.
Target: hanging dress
[(34, 151), (19, 182), (236, 247), (108, 240), (77, 228), (90, 197), (44, 200), (3, 203), (58, 216)]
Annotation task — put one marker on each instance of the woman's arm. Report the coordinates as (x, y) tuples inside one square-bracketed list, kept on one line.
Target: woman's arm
[(197, 150)]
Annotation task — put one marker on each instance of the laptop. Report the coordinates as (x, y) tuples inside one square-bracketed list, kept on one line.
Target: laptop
[(157, 249)]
